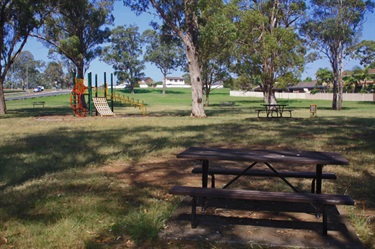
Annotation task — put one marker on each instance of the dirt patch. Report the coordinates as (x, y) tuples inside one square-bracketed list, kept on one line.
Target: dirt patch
[(237, 223), (264, 224)]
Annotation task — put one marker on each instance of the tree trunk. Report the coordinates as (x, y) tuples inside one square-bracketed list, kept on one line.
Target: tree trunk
[(269, 96), (340, 88), (164, 83), (335, 83), (208, 90), (81, 75), (3, 107), (197, 109)]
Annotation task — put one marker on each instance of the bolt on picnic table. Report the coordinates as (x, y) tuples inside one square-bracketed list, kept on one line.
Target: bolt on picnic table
[(293, 158)]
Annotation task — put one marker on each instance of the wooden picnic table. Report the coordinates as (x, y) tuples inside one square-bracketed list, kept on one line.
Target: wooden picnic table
[(271, 109), (294, 158)]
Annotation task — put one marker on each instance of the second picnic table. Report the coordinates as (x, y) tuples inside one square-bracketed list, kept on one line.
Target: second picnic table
[(271, 109)]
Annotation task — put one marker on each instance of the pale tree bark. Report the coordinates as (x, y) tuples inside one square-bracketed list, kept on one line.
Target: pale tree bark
[(164, 83), (340, 88), (337, 66), (189, 37), (3, 107), (196, 82)]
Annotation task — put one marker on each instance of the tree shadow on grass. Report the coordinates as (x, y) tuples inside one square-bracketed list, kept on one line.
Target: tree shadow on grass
[(71, 151)]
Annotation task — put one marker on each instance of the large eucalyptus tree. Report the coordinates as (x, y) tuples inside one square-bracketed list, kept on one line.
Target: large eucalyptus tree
[(333, 28), (216, 40), (77, 29), (268, 46), (181, 17), (124, 54), (164, 53)]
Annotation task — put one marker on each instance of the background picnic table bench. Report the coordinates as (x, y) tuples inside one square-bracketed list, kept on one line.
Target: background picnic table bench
[(38, 103)]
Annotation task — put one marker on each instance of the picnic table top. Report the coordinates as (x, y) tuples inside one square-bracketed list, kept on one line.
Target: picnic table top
[(270, 156), (274, 104)]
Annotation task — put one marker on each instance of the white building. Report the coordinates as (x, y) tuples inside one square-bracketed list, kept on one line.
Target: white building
[(172, 81)]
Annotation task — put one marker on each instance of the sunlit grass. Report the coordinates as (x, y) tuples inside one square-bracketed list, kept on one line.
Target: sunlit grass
[(79, 182)]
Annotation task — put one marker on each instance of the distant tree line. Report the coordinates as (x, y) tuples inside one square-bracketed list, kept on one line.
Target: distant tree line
[(239, 42)]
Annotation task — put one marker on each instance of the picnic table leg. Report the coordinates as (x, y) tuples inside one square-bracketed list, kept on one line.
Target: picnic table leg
[(319, 172), (204, 173), (205, 165), (241, 174), (194, 222), (281, 177)]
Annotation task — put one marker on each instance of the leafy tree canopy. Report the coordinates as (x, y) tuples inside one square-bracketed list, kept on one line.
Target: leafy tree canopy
[(77, 28), (124, 54), (18, 18)]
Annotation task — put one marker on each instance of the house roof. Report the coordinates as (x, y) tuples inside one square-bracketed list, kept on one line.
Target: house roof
[(302, 85), (174, 78)]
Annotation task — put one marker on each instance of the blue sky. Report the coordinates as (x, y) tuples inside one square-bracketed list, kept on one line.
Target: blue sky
[(123, 16)]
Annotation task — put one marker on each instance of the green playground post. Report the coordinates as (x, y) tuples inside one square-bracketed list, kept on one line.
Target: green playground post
[(74, 96), (96, 85), (96, 91), (112, 92), (105, 85)]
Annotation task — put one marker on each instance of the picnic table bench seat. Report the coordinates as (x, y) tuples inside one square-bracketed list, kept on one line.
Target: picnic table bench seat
[(322, 200), (38, 103), (263, 110), (227, 104), (264, 173)]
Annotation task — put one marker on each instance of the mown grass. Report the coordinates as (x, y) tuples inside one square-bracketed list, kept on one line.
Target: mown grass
[(102, 182)]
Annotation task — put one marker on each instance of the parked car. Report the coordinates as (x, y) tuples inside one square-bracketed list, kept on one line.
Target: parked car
[(38, 89)]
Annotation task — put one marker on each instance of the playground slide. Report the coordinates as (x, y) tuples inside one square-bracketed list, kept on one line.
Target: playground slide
[(102, 107)]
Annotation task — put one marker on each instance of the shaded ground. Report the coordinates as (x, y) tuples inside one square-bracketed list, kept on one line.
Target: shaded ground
[(261, 224), (239, 223)]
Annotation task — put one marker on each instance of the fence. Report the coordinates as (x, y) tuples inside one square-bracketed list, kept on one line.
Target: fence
[(317, 96)]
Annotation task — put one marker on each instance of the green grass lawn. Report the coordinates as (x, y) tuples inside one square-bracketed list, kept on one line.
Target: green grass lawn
[(69, 182)]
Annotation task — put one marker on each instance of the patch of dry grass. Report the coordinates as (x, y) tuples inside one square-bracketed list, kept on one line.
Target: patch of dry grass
[(96, 182)]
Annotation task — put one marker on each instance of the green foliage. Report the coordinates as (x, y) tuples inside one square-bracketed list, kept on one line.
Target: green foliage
[(83, 182), (76, 29), (216, 42), (166, 55), (25, 72), (267, 44), (365, 51), (333, 28), (324, 75), (124, 54), (54, 75), (18, 19)]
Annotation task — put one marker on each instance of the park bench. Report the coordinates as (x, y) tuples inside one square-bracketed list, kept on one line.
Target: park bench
[(322, 200), (264, 173), (227, 104), (38, 103)]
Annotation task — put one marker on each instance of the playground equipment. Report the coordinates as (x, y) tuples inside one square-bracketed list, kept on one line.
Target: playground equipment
[(78, 104), (77, 99), (130, 101), (101, 105)]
